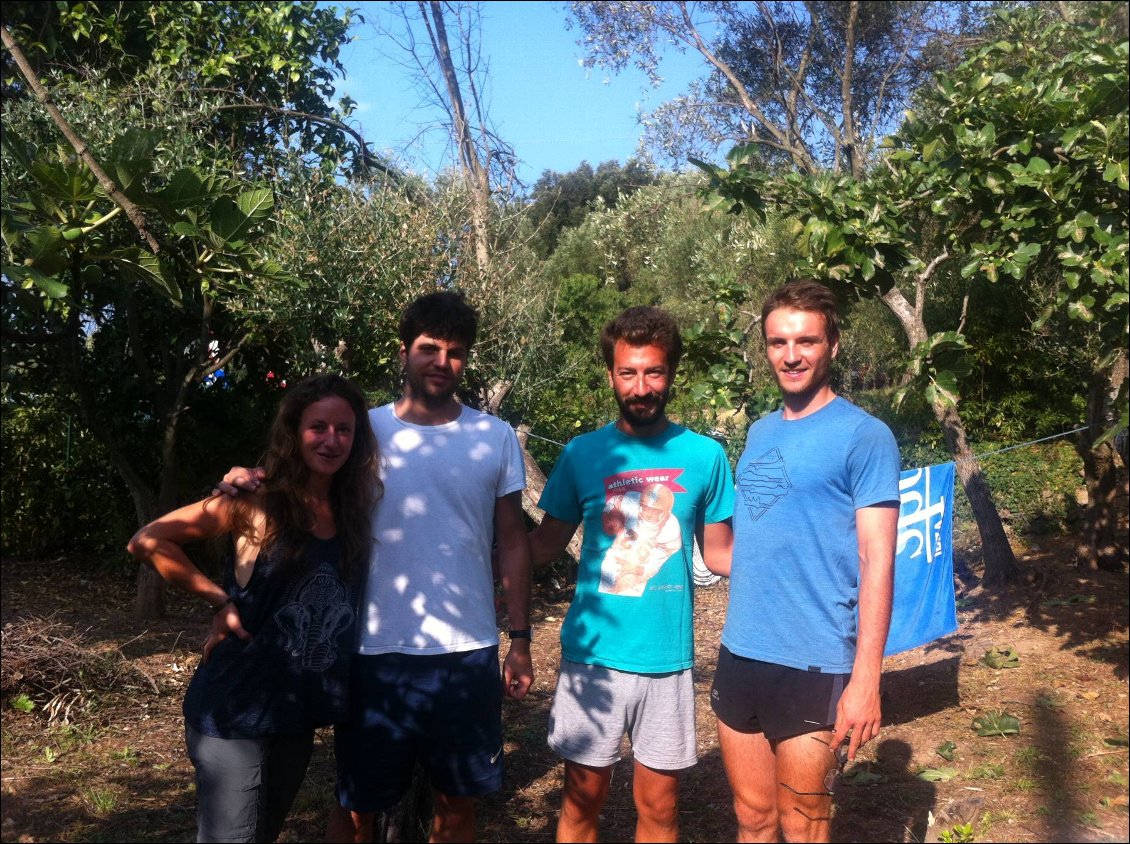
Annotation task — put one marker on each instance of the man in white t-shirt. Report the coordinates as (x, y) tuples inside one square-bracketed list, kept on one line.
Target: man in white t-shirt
[(425, 684), (453, 481)]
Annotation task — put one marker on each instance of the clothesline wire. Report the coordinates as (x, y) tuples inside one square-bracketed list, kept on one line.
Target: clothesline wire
[(1022, 445), (962, 460)]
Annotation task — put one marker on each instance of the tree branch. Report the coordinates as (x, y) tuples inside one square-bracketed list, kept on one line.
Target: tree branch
[(923, 277), (369, 158), (42, 94), (692, 37)]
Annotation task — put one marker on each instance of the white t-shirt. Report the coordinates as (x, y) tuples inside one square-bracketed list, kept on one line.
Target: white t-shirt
[(430, 588)]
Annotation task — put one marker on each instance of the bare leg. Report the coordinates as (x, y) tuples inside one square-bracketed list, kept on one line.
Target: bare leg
[(657, 804), (349, 827), (803, 762), (751, 768), (454, 818), (586, 789)]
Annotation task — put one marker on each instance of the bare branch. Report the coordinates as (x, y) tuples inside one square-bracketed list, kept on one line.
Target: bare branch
[(366, 156), (694, 38), (922, 278)]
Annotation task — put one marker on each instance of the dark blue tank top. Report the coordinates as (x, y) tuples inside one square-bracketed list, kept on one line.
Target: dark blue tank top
[(293, 674)]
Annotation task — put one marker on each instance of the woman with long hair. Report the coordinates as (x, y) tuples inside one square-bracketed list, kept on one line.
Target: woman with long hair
[(276, 658)]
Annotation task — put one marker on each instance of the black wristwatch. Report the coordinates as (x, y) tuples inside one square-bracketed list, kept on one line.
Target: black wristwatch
[(525, 633)]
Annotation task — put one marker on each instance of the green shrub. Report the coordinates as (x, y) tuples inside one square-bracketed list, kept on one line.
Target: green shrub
[(59, 491), (1033, 487)]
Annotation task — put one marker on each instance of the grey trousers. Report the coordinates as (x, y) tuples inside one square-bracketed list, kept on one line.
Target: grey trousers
[(245, 787)]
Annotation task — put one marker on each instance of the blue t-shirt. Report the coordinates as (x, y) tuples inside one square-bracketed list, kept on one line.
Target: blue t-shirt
[(794, 583), (292, 675), (640, 500)]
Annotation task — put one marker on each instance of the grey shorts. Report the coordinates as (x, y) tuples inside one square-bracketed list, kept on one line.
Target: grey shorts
[(595, 706), (245, 787)]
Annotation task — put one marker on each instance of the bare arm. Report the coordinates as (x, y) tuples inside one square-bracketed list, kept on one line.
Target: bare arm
[(160, 545), (549, 540), (859, 709), (717, 544), (514, 574)]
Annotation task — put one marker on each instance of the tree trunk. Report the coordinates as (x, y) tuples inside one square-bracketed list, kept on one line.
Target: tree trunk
[(1100, 547), (475, 173), (999, 558)]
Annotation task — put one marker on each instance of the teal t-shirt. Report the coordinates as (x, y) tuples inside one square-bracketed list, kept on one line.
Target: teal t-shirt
[(639, 500)]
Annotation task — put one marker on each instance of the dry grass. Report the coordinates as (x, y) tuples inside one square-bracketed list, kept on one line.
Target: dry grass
[(117, 771)]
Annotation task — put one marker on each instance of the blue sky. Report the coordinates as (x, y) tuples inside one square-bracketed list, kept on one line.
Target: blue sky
[(553, 112)]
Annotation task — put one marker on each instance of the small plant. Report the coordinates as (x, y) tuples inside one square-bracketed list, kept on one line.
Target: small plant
[(1063, 602), (1001, 658), (997, 723), (1050, 701), (1029, 757), (101, 800), (961, 833), (992, 771), (50, 755), (1026, 784), (78, 734), (946, 750), (127, 755), (22, 702)]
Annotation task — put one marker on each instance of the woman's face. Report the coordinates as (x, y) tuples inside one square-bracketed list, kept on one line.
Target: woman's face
[(325, 433)]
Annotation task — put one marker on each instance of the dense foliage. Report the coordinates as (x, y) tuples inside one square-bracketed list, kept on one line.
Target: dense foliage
[(133, 377)]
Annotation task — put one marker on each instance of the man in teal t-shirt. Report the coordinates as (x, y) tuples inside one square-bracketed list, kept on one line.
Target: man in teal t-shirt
[(644, 488)]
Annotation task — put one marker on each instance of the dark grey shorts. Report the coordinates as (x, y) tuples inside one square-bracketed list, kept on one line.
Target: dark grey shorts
[(751, 696), (245, 787)]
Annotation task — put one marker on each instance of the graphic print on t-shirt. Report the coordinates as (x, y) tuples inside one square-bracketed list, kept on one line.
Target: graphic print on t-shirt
[(313, 621), (763, 483), (637, 512)]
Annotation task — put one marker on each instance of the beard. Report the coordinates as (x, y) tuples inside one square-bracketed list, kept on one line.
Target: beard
[(431, 395), (646, 411)]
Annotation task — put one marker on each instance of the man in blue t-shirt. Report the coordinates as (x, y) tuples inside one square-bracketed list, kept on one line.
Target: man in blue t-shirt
[(644, 488), (811, 582)]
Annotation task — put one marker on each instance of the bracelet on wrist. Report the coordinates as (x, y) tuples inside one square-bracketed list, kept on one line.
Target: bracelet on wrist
[(523, 633)]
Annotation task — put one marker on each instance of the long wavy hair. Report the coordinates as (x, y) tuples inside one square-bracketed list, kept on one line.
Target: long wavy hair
[(354, 491)]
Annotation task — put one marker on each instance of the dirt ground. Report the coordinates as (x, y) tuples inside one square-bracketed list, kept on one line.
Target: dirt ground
[(118, 772)]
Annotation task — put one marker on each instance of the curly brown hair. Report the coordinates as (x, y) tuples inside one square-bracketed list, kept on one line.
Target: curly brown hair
[(354, 492), (643, 325)]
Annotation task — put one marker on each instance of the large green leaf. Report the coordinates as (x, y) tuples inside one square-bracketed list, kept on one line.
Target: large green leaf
[(51, 285), (256, 205), (68, 182), (186, 188), (232, 221), (147, 267), (996, 723)]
